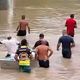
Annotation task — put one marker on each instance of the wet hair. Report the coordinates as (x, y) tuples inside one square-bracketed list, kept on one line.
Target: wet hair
[(24, 42), (23, 16), (9, 37), (72, 15), (41, 35)]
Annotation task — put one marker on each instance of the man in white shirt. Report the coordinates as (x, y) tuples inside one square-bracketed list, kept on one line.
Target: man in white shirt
[(11, 44)]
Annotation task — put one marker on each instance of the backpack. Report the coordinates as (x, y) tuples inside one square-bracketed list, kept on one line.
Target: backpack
[(24, 59)]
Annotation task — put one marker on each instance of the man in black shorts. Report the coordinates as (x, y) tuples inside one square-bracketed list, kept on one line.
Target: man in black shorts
[(43, 53), (23, 25)]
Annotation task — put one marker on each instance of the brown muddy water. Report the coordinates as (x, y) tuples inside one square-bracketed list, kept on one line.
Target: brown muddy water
[(48, 17)]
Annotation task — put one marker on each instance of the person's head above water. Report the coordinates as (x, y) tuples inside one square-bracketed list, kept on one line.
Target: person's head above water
[(64, 32), (72, 15), (24, 42), (9, 37), (23, 16), (41, 36)]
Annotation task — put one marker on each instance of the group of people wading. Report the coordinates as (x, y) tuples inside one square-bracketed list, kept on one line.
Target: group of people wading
[(42, 48)]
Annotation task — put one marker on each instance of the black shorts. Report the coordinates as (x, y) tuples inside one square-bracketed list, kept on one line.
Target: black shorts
[(21, 33), (66, 53), (44, 64)]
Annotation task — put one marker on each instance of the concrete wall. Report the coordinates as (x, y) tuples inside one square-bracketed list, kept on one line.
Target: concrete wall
[(4, 4)]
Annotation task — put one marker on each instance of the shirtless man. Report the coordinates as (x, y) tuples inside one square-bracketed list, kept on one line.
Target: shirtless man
[(43, 53), (23, 24)]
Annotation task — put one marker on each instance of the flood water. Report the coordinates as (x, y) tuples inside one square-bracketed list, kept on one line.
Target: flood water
[(48, 17)]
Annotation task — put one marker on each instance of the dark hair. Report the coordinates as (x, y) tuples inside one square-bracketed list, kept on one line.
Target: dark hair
[(24, 42), (23, 16), (41, 35), (72, 15), (9, 37)]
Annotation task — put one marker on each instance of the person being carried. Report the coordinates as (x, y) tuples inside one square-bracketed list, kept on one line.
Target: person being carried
[(67, 43), (23, 24), (41, 37), (11, 44), (43, 54), (23, 56), (70, 25)]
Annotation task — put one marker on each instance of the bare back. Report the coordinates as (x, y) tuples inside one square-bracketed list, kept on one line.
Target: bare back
[(42, 52), (23, 24)]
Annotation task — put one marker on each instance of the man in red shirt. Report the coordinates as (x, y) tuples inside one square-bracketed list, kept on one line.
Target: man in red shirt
[(23, 25), (71, 24)]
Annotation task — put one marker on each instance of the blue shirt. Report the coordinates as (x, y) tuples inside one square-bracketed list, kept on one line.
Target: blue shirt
[(66, 42)]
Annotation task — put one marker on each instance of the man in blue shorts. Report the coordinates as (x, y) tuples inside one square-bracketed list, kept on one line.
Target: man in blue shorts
[(67, 43)]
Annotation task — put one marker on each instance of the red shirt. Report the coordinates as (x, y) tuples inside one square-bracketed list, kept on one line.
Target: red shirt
[(71, 24)]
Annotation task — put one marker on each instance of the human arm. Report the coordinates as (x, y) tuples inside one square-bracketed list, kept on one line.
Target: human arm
[(72, 43), (18, 28), (30, 56), (28, 29), (17, 42), (75, 25), (36, 54), (27, 24), (28, 51), (59, 43), (66, 23), (51, 52)]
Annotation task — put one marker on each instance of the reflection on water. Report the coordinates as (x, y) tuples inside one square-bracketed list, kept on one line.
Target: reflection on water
[(44, 16), (47, 16)]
